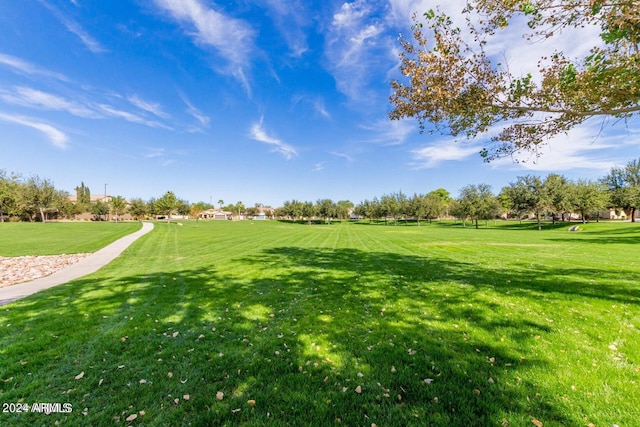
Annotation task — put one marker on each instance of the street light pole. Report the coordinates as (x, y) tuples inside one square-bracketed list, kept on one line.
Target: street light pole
[(105, 198)]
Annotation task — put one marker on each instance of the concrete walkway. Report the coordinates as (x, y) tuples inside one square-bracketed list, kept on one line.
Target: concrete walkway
[(88, 265)]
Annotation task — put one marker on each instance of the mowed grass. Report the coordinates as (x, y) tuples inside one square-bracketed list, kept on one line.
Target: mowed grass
[(270, 323), (54, 238)]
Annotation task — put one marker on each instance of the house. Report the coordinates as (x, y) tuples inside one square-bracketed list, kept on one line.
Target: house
[(262, 213), (215, 214)]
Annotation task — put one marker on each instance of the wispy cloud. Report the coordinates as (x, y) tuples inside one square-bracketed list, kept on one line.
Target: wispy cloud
[(320, 107), (317, 103), (155, 152), (72, 26), (232, 38), (30, 97), (443, 150), (343, 155), (390, 132), (290, 17), (58, 138), (151, 107), (356, 49), (131, 117), (25, 67), (202, 118), (318, 167), (258, 133)]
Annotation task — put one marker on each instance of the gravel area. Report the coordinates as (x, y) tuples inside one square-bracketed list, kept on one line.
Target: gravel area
[(14, 270)]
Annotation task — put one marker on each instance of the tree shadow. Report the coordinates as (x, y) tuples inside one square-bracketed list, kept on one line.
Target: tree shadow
[(314, 336)]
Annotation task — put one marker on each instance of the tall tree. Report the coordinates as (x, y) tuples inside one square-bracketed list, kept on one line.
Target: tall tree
[(445, 198), (8, 194), (138, 208), (343, 208), (588, 197), (99, 209), (327, 209), (453, 82), (83, 195), (182, 207), (515, 200), (417, 207), (309, 211), (118, 205), (478, 202), (556, 188), (38, 196), (624, 185), (528, 195), (239, 208), (436, 203), (167, 204)]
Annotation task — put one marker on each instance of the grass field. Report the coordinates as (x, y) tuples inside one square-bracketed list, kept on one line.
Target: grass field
[(269, 323), (54, 238)]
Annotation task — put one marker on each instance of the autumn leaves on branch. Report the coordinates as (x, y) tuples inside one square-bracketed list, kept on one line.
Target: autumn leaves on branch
[(454, 84)]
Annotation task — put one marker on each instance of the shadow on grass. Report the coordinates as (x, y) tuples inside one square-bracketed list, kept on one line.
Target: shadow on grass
[(314, 336)]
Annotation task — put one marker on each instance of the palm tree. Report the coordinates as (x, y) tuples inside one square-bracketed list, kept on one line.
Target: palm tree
[(240, 208)]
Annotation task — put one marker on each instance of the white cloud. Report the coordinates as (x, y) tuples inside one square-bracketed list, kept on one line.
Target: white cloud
[(390, 132), (232, 38), (72, 26), (151, 107), (155, 152), (443, 150), (290, 17), (58, 138), (357, 50), (25, 67), (317, 103), (130, 117), (318, 167), (343, 155), (258, 133), (29, 97), (320, 108), (192, 110), (584, 147)]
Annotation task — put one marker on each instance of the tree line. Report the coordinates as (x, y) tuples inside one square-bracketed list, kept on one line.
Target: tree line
[(554, 196), (35, 198)]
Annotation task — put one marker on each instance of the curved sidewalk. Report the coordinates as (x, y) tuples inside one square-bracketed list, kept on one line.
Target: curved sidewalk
[(88, 265)]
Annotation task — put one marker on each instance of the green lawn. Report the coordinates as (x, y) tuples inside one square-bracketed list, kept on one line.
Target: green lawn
[(53, 238), (343, 324)]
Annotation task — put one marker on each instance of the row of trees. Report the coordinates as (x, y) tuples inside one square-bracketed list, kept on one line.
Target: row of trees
[(326, 209), (30, 198), (554, 196), (399, 206)]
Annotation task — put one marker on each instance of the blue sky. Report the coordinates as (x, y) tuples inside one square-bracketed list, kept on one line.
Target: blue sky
[(253, 101)]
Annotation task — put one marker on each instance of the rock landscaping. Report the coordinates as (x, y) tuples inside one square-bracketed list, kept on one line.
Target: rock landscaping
[(14, 270)]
